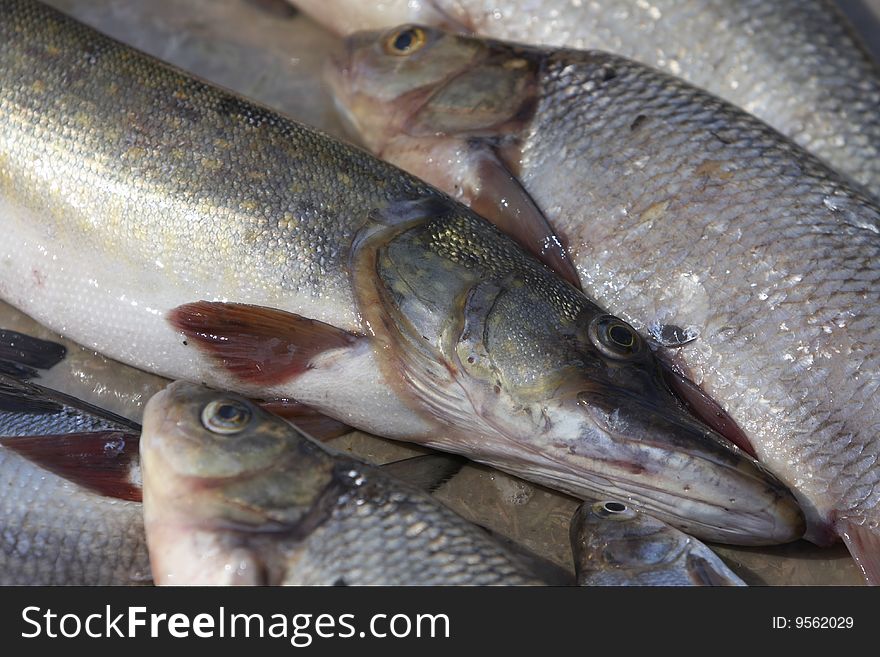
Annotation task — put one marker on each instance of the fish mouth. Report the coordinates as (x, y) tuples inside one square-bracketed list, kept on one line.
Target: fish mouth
[(680, 471)]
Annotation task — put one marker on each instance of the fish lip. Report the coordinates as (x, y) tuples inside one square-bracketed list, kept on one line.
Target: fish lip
[(721, 476)]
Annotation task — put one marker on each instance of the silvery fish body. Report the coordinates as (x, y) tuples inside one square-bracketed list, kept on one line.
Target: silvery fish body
[(795, 64), (187, 231), (752, 266)]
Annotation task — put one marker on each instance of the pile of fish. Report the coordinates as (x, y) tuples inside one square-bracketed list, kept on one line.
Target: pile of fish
[(587, 273)]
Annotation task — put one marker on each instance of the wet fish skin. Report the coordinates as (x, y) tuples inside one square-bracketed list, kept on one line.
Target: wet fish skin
[(53, 530), (327, 277), (614, 545), (767, 255), (84, 374), (258, 495), (795, 64)]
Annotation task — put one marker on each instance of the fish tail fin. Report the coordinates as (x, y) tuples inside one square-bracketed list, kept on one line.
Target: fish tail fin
[(864, 546)]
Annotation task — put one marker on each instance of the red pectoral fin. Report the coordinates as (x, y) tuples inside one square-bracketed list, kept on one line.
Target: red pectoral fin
[(257, 345), (502, 200), (100, 461), (306, 418), (863, 544)]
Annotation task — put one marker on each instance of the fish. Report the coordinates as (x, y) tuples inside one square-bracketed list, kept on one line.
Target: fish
[(795, 64), (186, 231), (615, 545), (70, 511), (750, 266), (235, 495)]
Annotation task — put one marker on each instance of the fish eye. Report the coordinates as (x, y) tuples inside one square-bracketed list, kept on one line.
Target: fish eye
[(226, 416), (405, 41), (614, 337), (612, 510)]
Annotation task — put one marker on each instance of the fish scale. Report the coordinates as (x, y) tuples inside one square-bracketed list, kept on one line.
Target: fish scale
[(380, 526)]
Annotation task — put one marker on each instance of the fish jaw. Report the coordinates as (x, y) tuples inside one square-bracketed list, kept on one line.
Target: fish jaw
[(660, 461)]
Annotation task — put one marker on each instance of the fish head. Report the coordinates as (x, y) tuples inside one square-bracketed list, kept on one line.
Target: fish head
[(415, 82), (220, 457), (541, 382), (612, 543), (611, 534)]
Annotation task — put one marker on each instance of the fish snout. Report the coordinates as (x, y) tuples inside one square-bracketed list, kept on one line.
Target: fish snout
[(681, 471)]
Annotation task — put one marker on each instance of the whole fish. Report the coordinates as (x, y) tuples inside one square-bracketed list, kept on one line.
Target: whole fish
[(615, 545), (187, 231), (70, 509), (752, 265), (234, 495), (795, 64)]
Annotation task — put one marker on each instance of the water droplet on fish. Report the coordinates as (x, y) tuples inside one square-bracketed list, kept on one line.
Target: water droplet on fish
[(828, 202)]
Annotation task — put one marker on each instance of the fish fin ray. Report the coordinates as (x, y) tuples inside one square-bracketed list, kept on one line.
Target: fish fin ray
[(255, 344), (864, 546), (428, 471), (704, 573), (17, 396), (503, 200), (99, 461)]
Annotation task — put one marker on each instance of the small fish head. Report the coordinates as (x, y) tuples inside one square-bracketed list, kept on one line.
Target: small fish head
[(612, 534), (418, 82), (207, 434), (227, 458)]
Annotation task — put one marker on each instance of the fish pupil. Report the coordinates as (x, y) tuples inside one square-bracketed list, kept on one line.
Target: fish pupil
[(615, 507), (621, 336), (228, 412), (403, 41)]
